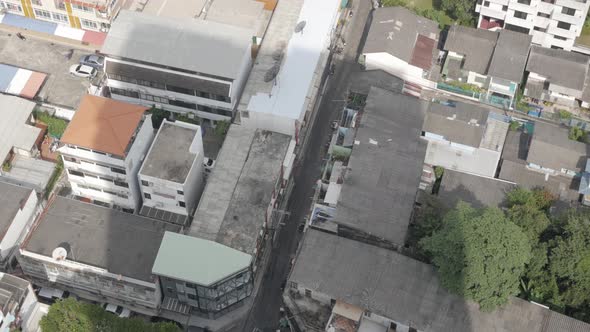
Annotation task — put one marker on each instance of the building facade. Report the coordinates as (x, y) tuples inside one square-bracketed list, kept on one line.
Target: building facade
[(103, 148), (171, 176), (552, 23), (87, 15), (200, 73)]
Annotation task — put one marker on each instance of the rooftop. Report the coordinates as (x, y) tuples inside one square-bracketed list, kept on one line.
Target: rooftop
[(238, 192), (104, 124), (16, 132), (551, 148), (384, 169), (196, 260), (510, 55), (403, 34), (464, 123), (173, 152), (181, 43), (12, 292), (563, 68), (477, 190), (477, 45), (12, 199), (398, 287), (118, 242), (286, 95)]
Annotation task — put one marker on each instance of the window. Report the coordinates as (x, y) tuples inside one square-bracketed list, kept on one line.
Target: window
[(169, 289), (367, 313), (76, 173), (145, 183), (88, 24), (559, 38), (147, 196), (180, 90), (37, 2), (122, 92), (184, 104), (392, 326), (308, 292), (72, 160), (563, 25), (245, 114), (180, 192), (543, 15), (121, 184), (504, 8), (61, 5), (191, 296), (203, 94), (82, 8), (556, 47), (40, 13), (539, 29), (412, 329), (486, 3), (13, 7), (118, 170), (60, 17), (524, 2), (521, 15), (181, 203), (568, 11)]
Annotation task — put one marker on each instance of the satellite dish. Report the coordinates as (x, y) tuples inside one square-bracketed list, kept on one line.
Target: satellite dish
[(272, 73), (299, 27), (59, 254)]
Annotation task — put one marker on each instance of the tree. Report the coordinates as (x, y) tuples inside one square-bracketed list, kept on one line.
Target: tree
[(460, 10), (73, 316), (479, 254), (530, 219), (158, 116), (577, 134)]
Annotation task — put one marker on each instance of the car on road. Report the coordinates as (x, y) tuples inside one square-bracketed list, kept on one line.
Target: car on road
[(92, 60), (83, 71), (117, 310)]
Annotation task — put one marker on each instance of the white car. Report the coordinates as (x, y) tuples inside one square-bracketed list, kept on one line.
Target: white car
[(83, 71), (117, 310)]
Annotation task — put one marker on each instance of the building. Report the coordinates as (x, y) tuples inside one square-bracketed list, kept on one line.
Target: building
[(401, 43), (202, 276), (492, 60), (20, 141), (552, 24), (103, 148), (18, 206), (186, 66), (172, 173), (88, 15), (383, 290), (556, 76), (476, 190), (18, 303), (464, 137), (96, 253)]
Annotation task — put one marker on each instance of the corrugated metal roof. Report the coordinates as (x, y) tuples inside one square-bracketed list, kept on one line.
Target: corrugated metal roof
[(422, 54)]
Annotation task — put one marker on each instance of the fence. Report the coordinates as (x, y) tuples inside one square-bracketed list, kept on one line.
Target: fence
[(458, 90)]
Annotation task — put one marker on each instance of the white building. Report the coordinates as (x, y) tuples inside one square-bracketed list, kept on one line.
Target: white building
[(104, 146), (181, 65), (552, 23), (17, 211), (172, 174)]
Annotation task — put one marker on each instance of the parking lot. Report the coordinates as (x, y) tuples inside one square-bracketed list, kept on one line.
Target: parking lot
[(60, 88)]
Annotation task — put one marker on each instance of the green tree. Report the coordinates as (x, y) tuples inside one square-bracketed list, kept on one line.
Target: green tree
[(158, 116), (461, 10), (479, 254), (530, 219), (577, 134), (538, 198), (73, 316)]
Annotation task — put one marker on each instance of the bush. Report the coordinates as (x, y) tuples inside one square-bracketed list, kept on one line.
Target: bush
[(565, 115), (514, 125), (577, 134), (55, 126), (54, 177)]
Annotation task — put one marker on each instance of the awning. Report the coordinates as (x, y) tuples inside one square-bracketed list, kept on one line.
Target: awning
[(347, 310)]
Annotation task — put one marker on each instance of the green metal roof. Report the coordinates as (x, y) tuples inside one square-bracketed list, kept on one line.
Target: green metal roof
[(197, 260)]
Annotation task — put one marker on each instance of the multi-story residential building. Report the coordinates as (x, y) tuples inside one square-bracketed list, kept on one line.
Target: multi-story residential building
[(552, 23), (492, 60), (558, 76), (17, 209), (18, 304), (202, 276), (103, 148), (171, 177), (81, 14), (182, 65), (96, 253)]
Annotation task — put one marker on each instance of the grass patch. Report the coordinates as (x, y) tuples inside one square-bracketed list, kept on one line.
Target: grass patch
[(424, 8), (55, 126), (54, 177)]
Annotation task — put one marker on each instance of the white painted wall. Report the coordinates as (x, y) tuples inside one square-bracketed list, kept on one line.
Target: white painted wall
[(18, 228)]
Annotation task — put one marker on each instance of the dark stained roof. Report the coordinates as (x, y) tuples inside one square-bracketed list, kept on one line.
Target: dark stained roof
[(563, 68), (464, 123), (12, 199), (422, 55), (395, 30), (510, 55), (551, 148), (477, 45), (477, 190)]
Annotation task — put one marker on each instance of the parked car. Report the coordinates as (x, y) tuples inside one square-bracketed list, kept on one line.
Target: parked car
[(92, 60), (49, 295), (117, 310), (83, 71)]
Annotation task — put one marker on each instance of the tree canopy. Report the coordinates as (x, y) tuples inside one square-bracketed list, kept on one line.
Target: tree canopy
[(461, 10), (73, 316), (479, 254)]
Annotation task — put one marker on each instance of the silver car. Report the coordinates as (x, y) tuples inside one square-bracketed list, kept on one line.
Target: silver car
[(92, 60)]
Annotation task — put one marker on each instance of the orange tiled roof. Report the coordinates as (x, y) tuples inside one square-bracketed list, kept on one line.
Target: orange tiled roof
[(103, 124)]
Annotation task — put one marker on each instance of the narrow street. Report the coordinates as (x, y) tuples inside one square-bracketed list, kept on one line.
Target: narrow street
[(265, 314)]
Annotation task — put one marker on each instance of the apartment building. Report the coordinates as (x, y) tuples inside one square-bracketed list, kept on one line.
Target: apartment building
[(552, 23), (103, 148), (96, 253), (182, 65), (172, 174), (201, 276), (81, 14)]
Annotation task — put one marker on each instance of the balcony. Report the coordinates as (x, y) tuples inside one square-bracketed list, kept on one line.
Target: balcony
[(576, 4), (493, 13), (577, 20)]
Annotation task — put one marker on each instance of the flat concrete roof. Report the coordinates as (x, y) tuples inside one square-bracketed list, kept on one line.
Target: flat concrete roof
[(197, 260), (12, 199), (238, 192), (170, 157), (118, 242), (60, 88), (181, 43)]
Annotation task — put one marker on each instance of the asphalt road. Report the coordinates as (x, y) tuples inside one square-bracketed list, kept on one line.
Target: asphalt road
[(265, 314)]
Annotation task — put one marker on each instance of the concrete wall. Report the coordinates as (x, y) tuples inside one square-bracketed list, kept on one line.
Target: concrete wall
[(18, 229), (135, 156), (268, 121)]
